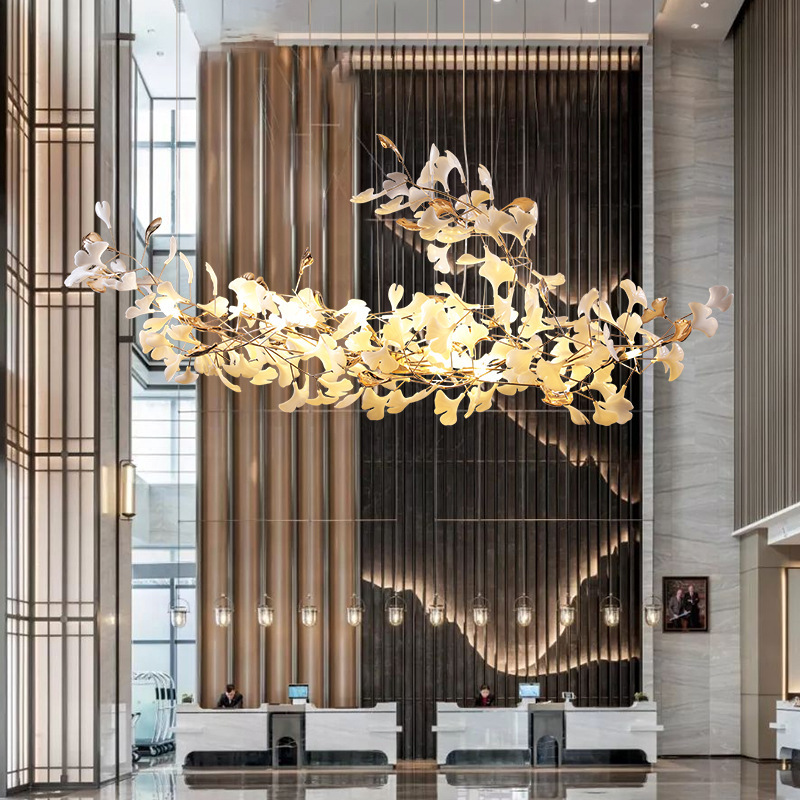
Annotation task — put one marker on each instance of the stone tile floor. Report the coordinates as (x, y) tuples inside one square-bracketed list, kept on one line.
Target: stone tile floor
[(671, 779)]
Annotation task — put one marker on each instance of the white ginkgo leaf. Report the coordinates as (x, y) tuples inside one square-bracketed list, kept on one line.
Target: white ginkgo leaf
[(492, 222), (213, 276), (484, 176), (609, 343), (349, 399), (298, 399), (615, 409), (395, 294), (189, 269), (141, 306), (702, 319), (173, 249), (587, 301), (186, 377), (496, 271), (438, 257), (366, 196), (523, 224), (671, 359), (91, 254), (577, 417), (467, 259), (447, 407), (720, 298), (635, 293), (103, 211), (127, 284)]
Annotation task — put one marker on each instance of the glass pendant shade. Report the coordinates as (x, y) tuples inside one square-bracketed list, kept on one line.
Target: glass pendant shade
[(265, 612), (395, 610), (480, 611), (355, 611), (309, 613), (223, 611), (652, 611), (566, 613), (179, 613), (436, 611), (612, 611), (523, 610)]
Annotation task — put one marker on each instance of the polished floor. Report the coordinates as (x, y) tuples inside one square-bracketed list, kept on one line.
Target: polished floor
[(672, 779)]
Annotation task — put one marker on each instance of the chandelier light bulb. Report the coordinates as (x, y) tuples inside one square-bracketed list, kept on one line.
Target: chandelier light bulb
[(523, 610), (612, 611), (480, 611), (395, 610), (355, 611), (265, 612), (436, 611), (223, 611), (309, 613), (653, 609), (566, 613), (179, 613)]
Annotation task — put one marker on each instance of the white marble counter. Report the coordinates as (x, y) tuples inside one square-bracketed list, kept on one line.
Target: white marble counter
[(787, 728), (219, 730), (354, 729), (479, 729), (632, 728)]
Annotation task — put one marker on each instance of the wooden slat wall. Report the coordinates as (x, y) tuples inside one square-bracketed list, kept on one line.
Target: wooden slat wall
[(515, 500), (767, 254)]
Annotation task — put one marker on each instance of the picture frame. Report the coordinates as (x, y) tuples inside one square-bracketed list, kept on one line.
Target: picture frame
[(682, 614)]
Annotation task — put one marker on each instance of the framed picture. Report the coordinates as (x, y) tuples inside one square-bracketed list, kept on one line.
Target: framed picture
[(685, 605)]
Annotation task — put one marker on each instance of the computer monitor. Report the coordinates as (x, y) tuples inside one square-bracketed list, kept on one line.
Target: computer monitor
[(298, 691), (529, 691)]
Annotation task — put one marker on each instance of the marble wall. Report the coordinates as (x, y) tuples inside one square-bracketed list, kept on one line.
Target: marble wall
[(696, 676)]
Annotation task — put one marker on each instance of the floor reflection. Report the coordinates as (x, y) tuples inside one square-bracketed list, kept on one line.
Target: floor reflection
[(672, 779), (788, 783), (420, 784)]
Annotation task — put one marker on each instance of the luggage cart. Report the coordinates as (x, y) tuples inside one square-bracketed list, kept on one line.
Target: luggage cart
[(154, 698), (135, 755)]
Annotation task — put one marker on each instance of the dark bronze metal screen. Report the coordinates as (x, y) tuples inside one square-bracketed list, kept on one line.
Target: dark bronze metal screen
[(516, 500)]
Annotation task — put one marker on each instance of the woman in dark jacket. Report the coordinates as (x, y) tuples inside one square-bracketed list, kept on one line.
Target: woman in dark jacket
[(484, 698)]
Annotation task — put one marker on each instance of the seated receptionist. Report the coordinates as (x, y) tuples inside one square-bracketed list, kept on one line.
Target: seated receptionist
[(230, 698), (484, 698)]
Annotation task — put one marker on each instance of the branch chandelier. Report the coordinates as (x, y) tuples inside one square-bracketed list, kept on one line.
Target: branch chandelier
[(438, 344)]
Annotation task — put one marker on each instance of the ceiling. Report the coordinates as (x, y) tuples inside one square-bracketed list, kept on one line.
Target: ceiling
[(408, 21), (208, 23)]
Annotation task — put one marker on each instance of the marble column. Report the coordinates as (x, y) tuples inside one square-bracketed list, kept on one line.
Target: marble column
[(696, 676)]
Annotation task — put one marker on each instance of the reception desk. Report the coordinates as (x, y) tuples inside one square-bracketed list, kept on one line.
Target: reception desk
[(507, 735), (312, 736), (787, 729)]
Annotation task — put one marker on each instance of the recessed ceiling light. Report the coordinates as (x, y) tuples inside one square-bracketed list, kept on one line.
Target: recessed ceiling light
[(592, 1), (695, 26), (704, 5)]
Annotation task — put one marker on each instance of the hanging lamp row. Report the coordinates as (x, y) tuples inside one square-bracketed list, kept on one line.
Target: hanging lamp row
[(611, 610)]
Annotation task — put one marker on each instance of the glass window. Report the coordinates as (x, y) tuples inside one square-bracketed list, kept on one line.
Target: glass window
[(151, 657), (186, 679), (150, 613)]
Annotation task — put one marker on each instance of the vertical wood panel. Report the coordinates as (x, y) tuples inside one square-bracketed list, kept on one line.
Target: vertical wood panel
[(767, 254), (515, 499)]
